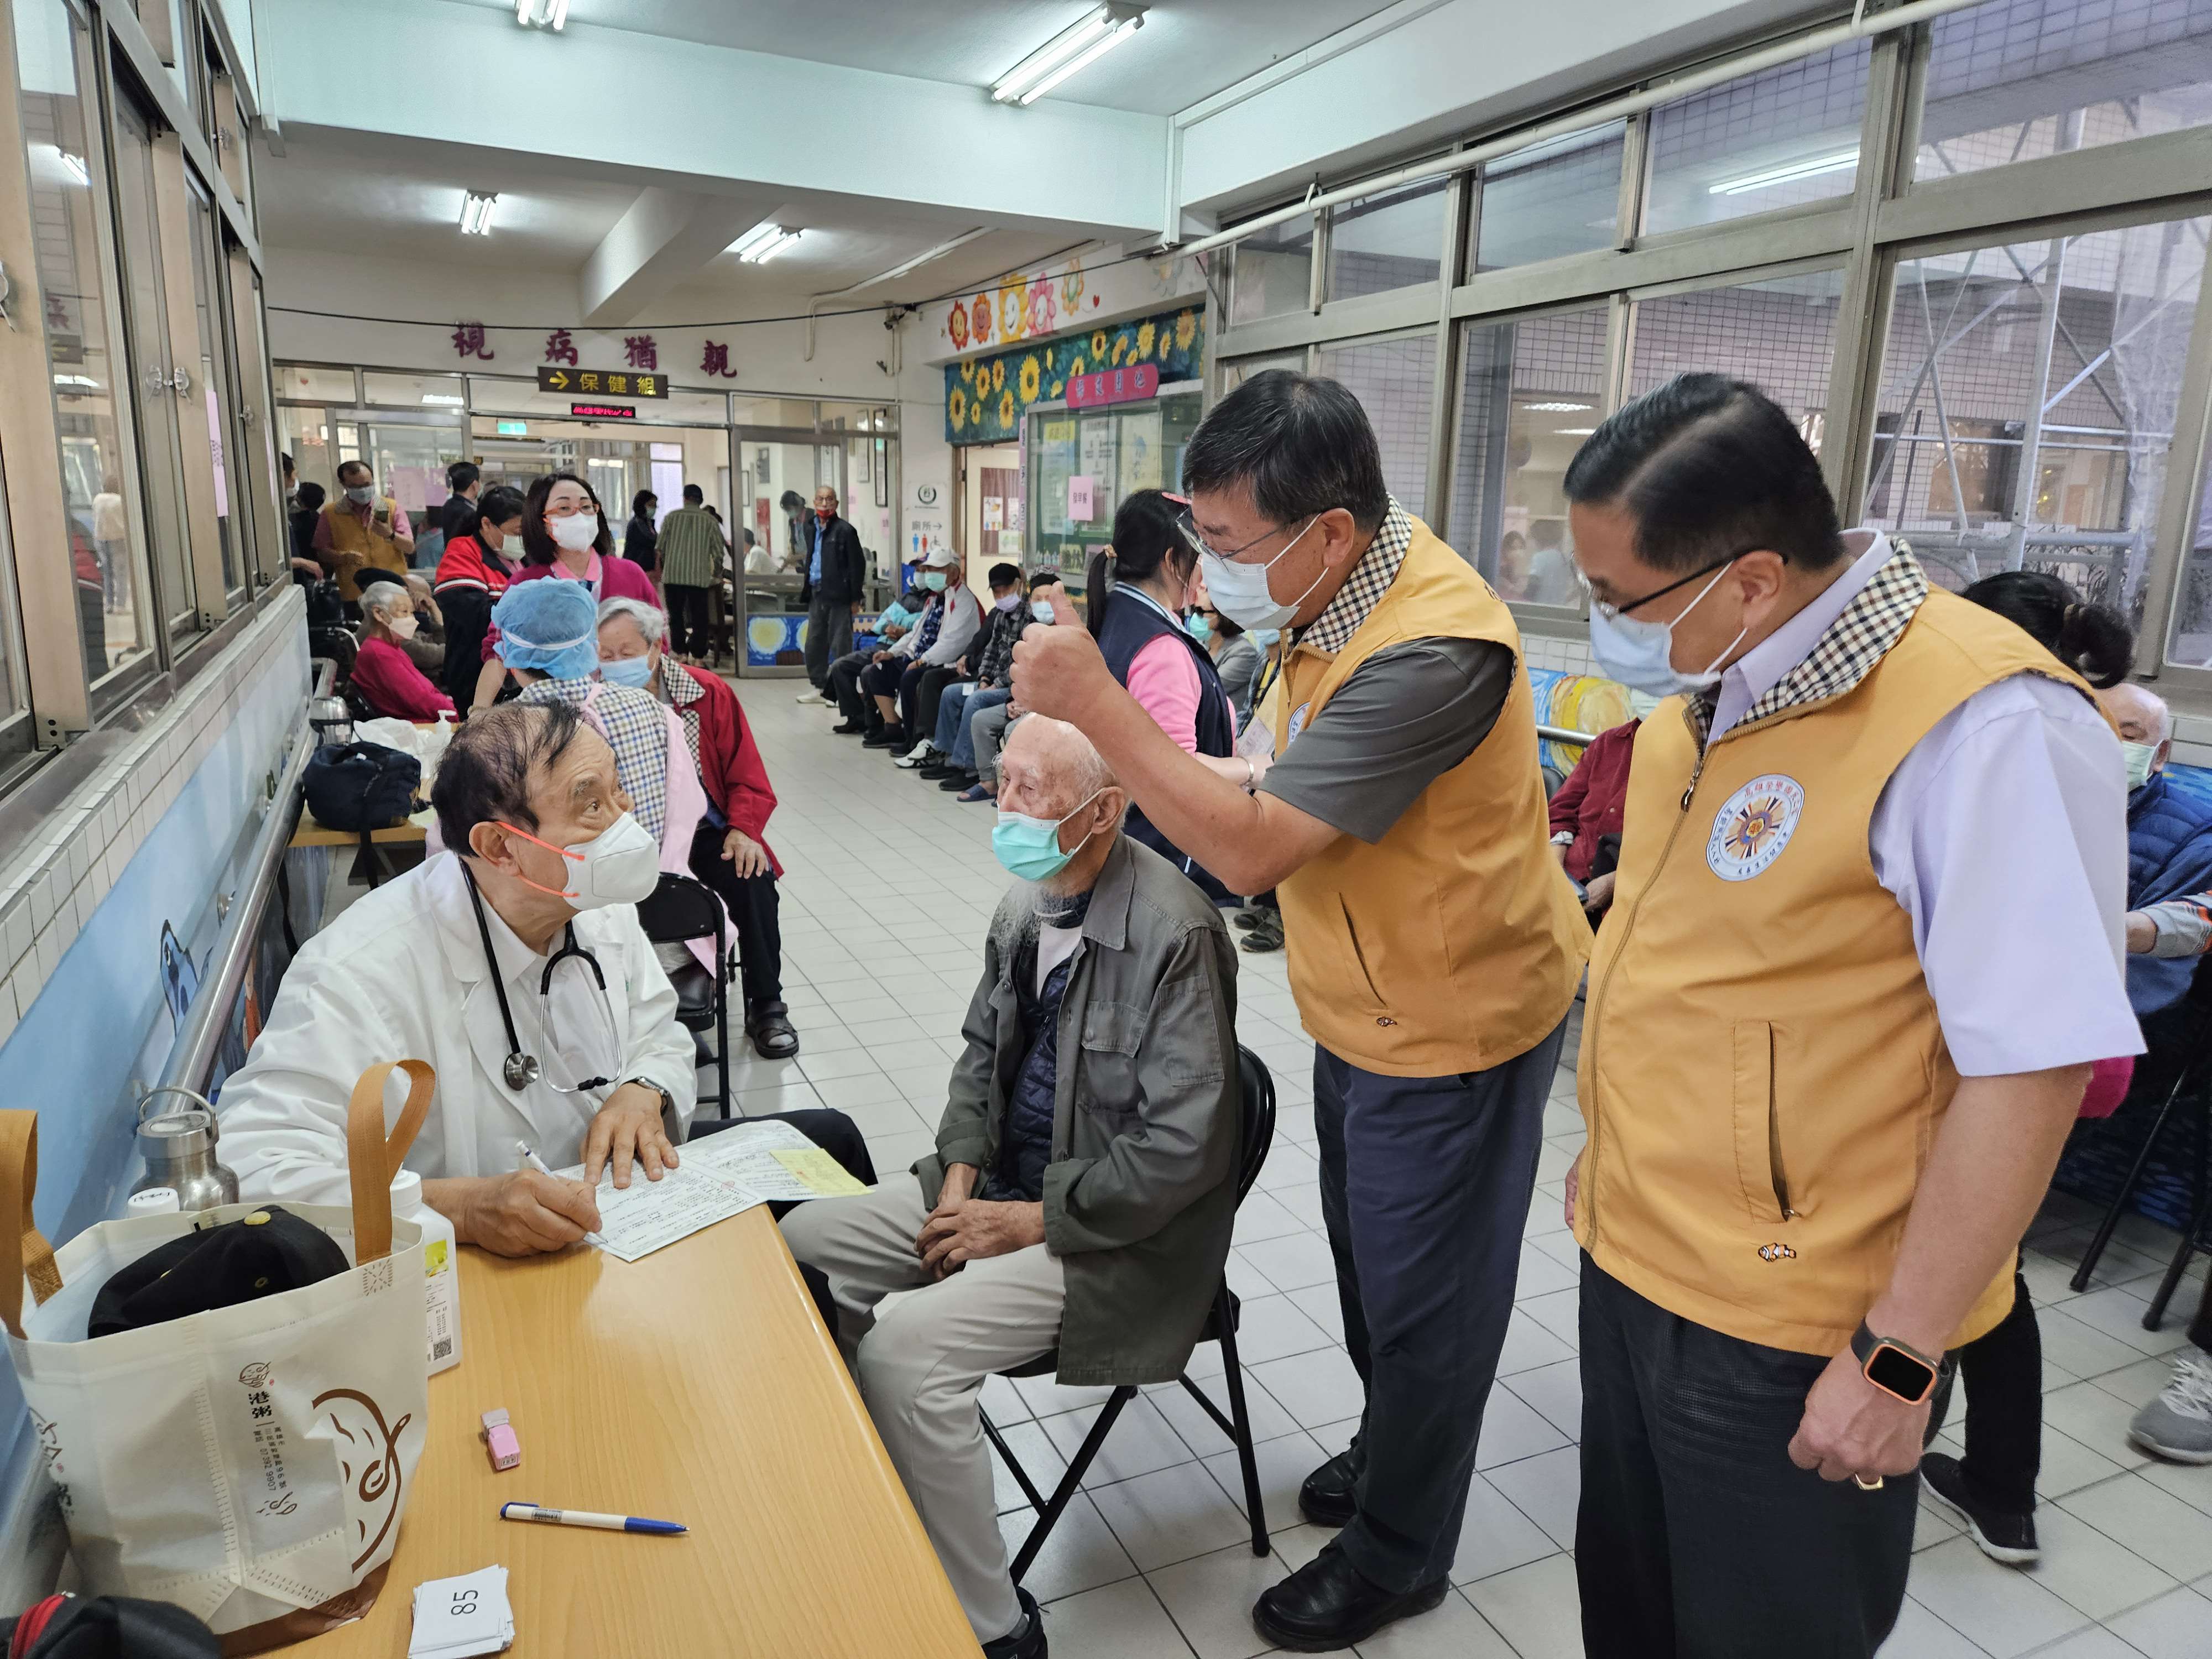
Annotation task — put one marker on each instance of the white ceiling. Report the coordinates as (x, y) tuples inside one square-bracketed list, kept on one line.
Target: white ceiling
[(400, 198), (1187, 50)]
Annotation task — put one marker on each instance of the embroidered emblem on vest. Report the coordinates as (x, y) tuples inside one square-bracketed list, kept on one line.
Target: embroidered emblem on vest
[(1777, 1252), (1753, 825), (1297, 722)]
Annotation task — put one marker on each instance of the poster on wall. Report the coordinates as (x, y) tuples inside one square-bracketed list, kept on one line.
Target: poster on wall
[(1080, 503), (1055, 460), (986, 398), (1140, 452), (995, 512), (1096, 457)]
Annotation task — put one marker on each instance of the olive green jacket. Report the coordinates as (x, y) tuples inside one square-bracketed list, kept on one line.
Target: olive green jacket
[(1141, 1194)]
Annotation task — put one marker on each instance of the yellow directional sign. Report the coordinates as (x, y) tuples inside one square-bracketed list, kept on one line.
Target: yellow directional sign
[(601, 382)]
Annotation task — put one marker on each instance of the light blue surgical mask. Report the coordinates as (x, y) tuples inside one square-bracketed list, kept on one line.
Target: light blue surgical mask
[(1640, 654), (627, 671), (1029, 847), (1264, 638), (1201, 630), (1042, 611), (934, 580), (2140, 757), (1240, 592)]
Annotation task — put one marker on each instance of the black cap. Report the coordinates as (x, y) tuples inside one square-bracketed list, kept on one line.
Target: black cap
[(220, 1266)]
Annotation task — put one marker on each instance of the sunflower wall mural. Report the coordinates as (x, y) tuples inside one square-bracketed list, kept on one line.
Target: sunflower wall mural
[(984, 397)]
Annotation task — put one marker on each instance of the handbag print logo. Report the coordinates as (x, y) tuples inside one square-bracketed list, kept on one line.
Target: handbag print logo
[(370, 1459)]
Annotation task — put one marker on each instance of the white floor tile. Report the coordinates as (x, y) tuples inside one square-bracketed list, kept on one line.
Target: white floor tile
[(1040, 1460), (1080, 1553), (1272, 1327), (1535, 1608), (2156, 1525), (2175, 1626), (1556, 1392), (1139, 1441), (2088, 1412), (2008, 1613), (1919, 1634), (1121, 1621), (1170, 1516), (1316, 1388), (1496, 1536), (2091, 1571), (1267, 1418), (1512, 1430), (1452, 1629), (1546, 1488), (1210, 1598), (1282, 1465)]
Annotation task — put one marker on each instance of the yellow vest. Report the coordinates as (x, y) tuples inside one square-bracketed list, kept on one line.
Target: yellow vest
[(354, 545), (1762, 1070), (1454, 943)]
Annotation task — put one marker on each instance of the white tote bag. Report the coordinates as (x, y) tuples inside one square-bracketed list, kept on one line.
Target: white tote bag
[(250, 1464)]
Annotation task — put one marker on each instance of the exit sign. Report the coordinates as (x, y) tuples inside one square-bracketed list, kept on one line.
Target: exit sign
[(605, 411), (513, 428)]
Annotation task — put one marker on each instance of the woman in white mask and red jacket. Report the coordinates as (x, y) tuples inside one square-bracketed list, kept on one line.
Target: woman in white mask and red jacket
[(565, 534)]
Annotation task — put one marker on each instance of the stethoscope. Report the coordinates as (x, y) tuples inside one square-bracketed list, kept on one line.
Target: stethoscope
[(521, 1069)]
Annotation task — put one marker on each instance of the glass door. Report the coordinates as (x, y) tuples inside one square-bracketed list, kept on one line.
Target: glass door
[(145, 310), (214, 394), (778, 472)]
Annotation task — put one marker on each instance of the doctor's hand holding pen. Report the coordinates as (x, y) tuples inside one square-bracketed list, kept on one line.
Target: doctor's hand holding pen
[(525, 1212)]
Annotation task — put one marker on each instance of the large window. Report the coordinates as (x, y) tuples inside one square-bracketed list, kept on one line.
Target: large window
[(1779, 334), (1779, 138), (1553, 198), (1273, 271), (1530, 391), (1394, 380), (2028, 394), (1392, 240), (2012, 80)]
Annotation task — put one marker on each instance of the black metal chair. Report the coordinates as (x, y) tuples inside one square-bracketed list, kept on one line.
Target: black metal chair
[(1255, 1133), (678, 911)]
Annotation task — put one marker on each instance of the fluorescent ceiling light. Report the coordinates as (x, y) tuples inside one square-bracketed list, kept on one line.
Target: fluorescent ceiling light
[(74, 166), (1573, 431), (1082, 43), (1557, 408), (446, 398), (1783, 175), (77, 380), (763, 243), (542, 13), (922, 258), (475, 212)]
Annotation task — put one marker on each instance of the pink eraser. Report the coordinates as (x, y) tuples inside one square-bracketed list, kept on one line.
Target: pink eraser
[(499, 1439)]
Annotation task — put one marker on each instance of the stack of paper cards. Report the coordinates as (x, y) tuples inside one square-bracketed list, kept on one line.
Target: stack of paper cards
[(457, 1616)]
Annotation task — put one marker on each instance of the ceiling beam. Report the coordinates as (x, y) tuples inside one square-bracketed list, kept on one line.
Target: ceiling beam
[(665, 238)]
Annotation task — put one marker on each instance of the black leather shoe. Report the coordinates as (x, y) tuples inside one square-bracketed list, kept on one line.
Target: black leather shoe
[(1026, 1640), (954, 782), (770, 1029), (1325, 1498), (933, 770), (890, 737), (1325, 1605), (850, 728)]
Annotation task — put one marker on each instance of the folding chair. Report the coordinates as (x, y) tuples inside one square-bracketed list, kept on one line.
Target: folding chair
[(678, 910), (1256, 1133)]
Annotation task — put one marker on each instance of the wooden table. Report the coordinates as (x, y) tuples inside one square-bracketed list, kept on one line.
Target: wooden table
[(408, 831), (696, 1385)]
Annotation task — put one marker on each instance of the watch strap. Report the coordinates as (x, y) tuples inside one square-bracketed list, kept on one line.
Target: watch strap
[(1864, 1342)]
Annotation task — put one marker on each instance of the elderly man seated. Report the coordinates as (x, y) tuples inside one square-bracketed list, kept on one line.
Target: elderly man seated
[(514, 964), (1084, 1185), (2169, 853)]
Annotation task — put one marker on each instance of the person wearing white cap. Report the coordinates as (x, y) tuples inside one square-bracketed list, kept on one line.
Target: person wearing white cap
[(880, 697)]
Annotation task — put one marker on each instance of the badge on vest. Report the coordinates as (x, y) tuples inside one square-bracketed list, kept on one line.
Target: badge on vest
[(1297, 723), (1753, 825)]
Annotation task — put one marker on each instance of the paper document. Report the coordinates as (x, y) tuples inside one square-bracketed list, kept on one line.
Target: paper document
[(456, 1617), (1255, 740), (774, 1160), (721, 1176)]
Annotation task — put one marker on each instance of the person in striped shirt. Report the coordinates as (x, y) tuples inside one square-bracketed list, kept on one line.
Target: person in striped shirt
[(691, 552)]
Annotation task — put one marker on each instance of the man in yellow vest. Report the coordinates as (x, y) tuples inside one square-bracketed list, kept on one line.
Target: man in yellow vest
[(361, 530), (1434, 945), (1864, 942)]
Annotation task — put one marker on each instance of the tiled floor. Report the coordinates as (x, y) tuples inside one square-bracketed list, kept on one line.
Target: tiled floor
[(888, 884)]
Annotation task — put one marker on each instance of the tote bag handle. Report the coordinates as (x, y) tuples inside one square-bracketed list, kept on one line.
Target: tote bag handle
[(372, 1160), (24, 1252)]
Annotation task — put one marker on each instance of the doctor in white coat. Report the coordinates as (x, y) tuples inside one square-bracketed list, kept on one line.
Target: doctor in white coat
[(517, 968)]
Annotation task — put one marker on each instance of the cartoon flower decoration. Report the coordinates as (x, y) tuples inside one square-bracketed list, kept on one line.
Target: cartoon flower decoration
[(1013, 308), (1186, 329), (1059, 388), (1032, 375), (1167, 347), (1076, 368), (1041, 314), (1005, 408), (967, 371), (999, 376), (980, 315), (1121, 347), (1098, 343), (956, 408), (1071, 287), (956, 325), (1144, 332)]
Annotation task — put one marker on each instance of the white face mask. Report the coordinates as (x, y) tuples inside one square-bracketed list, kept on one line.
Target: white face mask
[(575, 533), (402, 626), (621, 865), (361, 494), (1042, 611), (1640, 654), (1240, 592), (2141, 757)]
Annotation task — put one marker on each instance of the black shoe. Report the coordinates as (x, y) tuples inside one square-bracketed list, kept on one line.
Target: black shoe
[(889, 737), (1326, 1499), (1325, 1605), (770, 1029), (954, 783), (1246, 919), (934, 770), (2000, 1534), (1267, 933), (849, 728), (1026, 1640)]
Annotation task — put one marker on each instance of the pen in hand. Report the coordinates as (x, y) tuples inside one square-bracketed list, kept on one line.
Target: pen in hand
[(527, 1158)]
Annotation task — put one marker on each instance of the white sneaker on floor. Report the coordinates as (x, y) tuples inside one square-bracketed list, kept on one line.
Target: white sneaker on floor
[(2178, 1425), (918, 756), (811, 696)]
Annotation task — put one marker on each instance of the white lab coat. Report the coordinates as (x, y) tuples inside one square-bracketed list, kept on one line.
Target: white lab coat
[(402, 975)]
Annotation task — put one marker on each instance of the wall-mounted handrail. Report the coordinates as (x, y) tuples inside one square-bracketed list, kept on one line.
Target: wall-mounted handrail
[(1561, 734)]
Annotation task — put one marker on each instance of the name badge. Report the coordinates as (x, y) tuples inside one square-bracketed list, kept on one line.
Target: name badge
[(1752, 827)]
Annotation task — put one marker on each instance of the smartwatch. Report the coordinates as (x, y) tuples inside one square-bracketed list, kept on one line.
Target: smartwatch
[(1896, 1368)]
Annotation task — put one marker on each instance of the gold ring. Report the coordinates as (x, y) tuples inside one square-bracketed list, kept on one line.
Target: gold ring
[(1865, 1485)]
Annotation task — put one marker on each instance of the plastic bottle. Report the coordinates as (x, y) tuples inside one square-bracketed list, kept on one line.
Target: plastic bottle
[(441, 1270)]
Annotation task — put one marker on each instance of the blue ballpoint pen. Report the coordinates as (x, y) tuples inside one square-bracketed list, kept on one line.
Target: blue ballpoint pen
[(588, 1518)]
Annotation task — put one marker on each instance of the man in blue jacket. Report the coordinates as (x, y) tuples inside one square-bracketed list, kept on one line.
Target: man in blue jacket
[(2169, 855)]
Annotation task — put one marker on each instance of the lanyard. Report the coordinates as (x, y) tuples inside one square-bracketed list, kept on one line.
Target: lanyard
[(521, 1070)]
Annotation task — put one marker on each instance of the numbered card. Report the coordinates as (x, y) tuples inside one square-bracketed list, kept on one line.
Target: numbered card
[(457, 1616)]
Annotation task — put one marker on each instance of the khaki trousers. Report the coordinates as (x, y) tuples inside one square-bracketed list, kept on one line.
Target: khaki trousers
[(920, 1350)]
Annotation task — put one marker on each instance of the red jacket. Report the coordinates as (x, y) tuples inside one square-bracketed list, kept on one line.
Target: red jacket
[(390, 682), (729, 760), (1591, 801), (464, 565)]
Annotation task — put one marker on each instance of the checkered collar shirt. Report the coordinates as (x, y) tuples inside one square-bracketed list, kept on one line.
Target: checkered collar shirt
[(1369, 580), (683, 692), (635, 729), (1826, 648)]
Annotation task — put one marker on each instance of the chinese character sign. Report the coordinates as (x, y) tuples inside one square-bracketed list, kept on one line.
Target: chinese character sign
[(715, 361), (639, 352), (560, 347), (468, 342)]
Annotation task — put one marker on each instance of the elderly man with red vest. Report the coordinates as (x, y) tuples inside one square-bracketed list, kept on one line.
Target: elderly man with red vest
[(1864, 944)]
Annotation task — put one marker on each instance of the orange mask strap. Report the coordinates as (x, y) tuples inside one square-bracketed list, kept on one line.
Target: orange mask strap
[(555, 892)]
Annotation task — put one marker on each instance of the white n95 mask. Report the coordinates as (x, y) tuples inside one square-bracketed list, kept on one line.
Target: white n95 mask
[(576, 533), (621, 865)]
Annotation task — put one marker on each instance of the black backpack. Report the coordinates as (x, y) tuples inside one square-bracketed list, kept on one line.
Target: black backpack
[(360, 787)]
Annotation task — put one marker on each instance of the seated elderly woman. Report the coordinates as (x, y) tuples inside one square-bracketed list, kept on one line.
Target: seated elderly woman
[(383, 672), (1080, 1198)]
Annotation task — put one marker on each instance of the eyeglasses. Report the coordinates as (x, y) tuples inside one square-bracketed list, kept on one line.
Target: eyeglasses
[(1188, 529), (1610, 612)]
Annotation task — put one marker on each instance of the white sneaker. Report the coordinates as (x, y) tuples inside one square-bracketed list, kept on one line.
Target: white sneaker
[(811, 696), (918, 756), (2178, 1425)]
